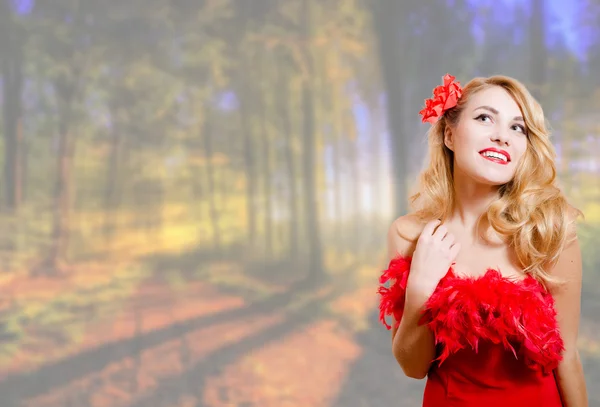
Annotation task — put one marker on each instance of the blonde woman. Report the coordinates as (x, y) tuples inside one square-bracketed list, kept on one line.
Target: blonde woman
[(483, 288)]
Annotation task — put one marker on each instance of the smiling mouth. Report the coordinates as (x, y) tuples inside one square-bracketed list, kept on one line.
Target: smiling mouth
[(495, 157)]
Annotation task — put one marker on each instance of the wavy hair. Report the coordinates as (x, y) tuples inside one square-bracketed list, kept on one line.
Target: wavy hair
[(531, 213)]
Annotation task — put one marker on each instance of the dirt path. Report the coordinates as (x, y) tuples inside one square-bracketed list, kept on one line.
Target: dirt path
[(318, 347), (169, 349)]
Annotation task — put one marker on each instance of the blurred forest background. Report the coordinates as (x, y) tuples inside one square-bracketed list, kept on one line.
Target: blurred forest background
[(196, 193)]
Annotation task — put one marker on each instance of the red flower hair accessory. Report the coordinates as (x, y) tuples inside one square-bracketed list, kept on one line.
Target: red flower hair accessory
[(444, 97)]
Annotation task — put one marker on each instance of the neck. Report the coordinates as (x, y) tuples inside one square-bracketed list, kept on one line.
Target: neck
[(471, 200)]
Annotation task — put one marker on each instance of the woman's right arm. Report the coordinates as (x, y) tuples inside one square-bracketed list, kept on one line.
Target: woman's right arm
[(413, 344)]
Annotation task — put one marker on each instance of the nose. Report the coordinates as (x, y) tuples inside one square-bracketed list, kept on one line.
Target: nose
[(501, 136)]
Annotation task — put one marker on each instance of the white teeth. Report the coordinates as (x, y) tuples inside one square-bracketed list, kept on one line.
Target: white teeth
[(495, 155)]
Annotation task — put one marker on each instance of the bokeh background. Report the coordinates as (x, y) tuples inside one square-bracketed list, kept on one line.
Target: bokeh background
[(196, 193)]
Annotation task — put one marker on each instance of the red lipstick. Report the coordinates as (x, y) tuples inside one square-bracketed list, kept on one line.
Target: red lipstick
[(496, 150)]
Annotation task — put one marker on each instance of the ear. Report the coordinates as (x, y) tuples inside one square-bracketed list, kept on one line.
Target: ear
[(449, 138)]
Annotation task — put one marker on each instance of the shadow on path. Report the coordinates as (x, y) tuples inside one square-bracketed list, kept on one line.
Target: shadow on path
[(15, 389), (171, 390), (375, 379)]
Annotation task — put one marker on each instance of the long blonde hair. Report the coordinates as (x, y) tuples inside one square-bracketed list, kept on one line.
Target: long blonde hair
[(531, 215)]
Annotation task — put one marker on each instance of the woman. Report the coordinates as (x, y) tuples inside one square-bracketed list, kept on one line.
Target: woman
[(485, 273)]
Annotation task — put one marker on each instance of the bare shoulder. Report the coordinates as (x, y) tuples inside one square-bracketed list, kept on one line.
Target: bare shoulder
[(403, 234), (567, 265), (572, 214)]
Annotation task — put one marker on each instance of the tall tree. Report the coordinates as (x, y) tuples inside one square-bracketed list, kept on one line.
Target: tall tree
[(207, 136), (12, 40), (391, 41), (285, 105), (244, 93), (64, 36), (538, 51), (311, 206), (263, 104)]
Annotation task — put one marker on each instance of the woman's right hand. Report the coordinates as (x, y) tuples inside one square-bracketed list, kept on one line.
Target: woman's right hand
[(434, 253)]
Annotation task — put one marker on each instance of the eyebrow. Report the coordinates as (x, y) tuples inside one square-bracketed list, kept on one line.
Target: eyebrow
[(495, 111)]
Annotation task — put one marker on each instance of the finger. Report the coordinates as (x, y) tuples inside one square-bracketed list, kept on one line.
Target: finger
[(449, 239), (430, 226), (440, 233)]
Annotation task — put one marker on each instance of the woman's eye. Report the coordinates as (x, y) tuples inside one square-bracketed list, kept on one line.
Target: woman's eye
[(486, 118), (483, 117), (520, 128)]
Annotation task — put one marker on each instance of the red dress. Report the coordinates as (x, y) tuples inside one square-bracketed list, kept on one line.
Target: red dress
[(497, 340)]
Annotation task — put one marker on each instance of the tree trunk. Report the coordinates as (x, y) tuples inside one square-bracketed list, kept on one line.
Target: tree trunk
[(198, 194), (245, 97), (112, 177), (311, 206), (284, 104), (210, 180), (539, 54), (333, 98), (266, 160), (62, 184), (249, 159), (388, 31), (11, 59), (378, 188), (354, 166)]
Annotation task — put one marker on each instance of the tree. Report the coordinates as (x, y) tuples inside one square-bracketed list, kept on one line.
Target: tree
[(538, 50), (409, 73), (12, 41)]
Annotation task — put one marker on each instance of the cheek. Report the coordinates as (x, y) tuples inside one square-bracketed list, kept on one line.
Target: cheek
[(522, 148), (464, 144), (466, 136)]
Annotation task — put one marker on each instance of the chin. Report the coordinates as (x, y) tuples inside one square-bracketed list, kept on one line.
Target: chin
[(483, 176), (487, 179), (496, 183)]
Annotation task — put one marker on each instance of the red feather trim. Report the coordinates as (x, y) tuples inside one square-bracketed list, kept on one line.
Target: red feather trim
[(463, 311), (392, 297)]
